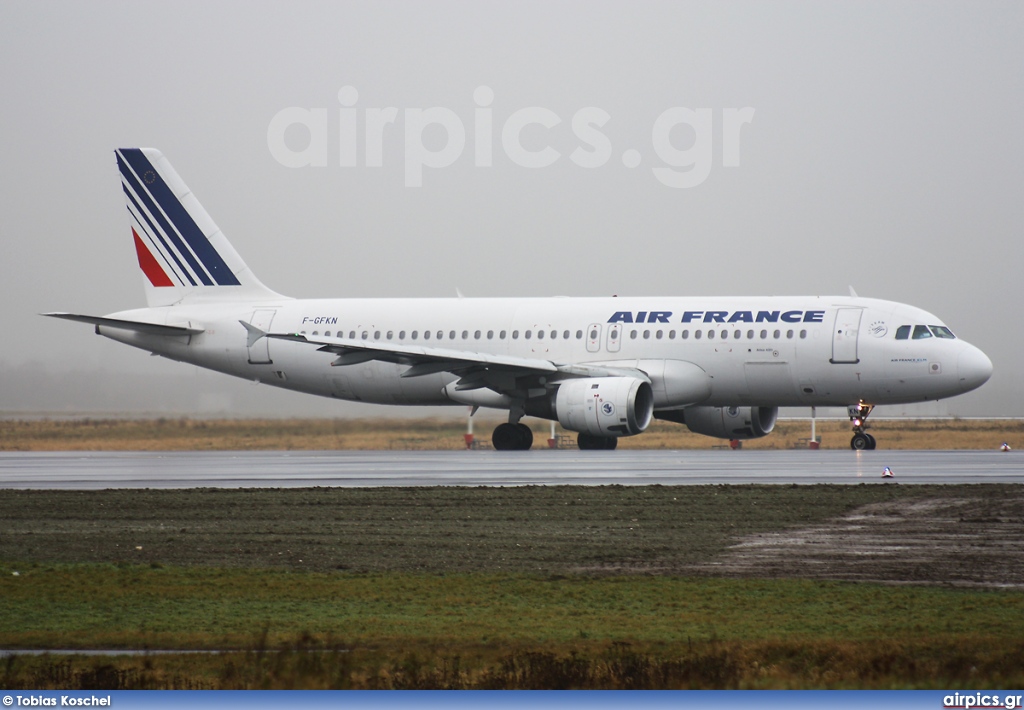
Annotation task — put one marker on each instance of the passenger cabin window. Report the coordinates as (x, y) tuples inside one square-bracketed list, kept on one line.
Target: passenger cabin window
[(921, 332), (903, 332), (579, 334), (565, 334), (376, 335)]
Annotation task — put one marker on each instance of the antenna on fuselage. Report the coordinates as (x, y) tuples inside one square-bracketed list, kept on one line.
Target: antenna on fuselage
[(852, 292)]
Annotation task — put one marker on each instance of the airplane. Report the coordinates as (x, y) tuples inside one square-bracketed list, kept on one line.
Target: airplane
[(603, 367)]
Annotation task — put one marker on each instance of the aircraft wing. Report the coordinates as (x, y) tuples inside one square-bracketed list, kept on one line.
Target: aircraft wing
[(502, 373)]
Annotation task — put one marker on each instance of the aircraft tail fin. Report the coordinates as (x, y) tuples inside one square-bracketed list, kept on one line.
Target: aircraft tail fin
[(182, 253)]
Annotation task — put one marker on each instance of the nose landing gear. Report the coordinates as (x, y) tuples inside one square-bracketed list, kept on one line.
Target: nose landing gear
[(861, 441)]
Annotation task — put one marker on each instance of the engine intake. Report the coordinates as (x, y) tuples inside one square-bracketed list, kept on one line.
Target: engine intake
[(605, 406), (726, 422)]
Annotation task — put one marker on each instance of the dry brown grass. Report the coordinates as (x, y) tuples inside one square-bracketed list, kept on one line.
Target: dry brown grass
[(442, 434)]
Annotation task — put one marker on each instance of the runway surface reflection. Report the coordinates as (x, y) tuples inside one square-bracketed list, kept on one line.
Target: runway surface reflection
[(290, 469)]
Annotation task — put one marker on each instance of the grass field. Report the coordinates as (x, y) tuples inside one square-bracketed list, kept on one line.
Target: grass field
[(508, 630), (434, 434), (532, 587)]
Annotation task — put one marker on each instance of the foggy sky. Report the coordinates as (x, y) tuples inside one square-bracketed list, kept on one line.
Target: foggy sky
[(885, 152)]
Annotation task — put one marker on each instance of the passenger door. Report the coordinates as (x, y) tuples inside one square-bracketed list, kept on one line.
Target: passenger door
[(844, 336)]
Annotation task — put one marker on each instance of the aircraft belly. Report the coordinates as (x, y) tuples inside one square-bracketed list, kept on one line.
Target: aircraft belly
[(769, 381)]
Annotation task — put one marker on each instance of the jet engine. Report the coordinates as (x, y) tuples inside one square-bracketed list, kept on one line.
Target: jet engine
[(605, 406), (726, 422)]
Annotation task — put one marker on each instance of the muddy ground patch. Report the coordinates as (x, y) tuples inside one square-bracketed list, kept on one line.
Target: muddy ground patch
[(959, 541)]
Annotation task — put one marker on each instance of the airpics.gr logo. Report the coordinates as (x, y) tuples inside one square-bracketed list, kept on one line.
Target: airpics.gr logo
[(964, 701), (436, 137)]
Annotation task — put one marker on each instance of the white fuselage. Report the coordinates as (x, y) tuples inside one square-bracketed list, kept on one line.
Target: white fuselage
[(778, 351)]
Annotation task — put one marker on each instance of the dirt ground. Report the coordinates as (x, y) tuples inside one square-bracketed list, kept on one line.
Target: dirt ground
[(438, 434), (960, 535), (968, 542)]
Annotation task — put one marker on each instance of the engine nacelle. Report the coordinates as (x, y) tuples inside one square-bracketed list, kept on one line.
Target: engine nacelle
[(731, 422), (605, 406)]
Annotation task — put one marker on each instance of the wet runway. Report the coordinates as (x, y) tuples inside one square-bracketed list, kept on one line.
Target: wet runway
[(283, 469)]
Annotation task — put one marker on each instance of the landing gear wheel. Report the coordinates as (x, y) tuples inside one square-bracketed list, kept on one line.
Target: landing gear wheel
[(509, 437), (526, 437), (861, 442), (590, 442)]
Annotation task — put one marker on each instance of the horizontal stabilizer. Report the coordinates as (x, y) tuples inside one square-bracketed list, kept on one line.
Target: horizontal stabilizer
[(253, 333), (133, 325)]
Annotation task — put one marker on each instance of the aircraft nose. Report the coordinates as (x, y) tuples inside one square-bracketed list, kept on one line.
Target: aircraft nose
[(974, 368)]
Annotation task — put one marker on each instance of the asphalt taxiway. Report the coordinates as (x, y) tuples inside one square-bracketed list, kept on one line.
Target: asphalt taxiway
[(291, 469)]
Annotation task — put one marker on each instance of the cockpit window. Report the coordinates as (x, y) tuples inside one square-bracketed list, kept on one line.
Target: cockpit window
[(903, 332), (942, 331), (921, 331)]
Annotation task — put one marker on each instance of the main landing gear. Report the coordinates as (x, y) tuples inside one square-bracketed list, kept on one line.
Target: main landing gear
[(861, 441), (592, 442), (512, 437)]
